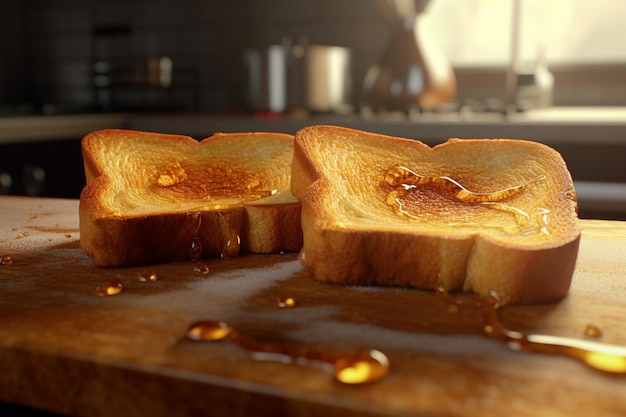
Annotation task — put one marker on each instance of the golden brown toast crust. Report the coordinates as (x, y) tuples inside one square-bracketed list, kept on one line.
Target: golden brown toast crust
[(476, 215), (147, 198)]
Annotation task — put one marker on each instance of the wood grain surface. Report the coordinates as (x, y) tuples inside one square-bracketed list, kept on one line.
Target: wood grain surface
[(67, 350)]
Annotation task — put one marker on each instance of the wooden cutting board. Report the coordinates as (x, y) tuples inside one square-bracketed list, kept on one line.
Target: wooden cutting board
[(65, 349)]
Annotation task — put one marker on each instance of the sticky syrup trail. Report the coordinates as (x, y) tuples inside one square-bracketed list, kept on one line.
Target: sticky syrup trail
[(601, 356), (356, 367), (195, 247)]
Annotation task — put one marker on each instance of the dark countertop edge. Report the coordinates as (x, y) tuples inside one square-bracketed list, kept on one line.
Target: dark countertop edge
[(54, 127), (431, 129)]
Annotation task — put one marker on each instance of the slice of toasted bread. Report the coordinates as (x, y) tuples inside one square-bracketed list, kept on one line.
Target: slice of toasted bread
[(154, 197), (492, 216)]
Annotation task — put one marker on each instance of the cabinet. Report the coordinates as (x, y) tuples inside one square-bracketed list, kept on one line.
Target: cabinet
[(47, 169)]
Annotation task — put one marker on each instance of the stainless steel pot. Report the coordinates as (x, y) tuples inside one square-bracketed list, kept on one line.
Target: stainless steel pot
[(286, 77)]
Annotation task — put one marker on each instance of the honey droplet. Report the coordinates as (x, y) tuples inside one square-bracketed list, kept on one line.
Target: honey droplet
[(285, 301), (489, 329), (201, 268), (593, 331), (208, 330), (232, 246), (109, 288), (360, 369), (148, 276), (172, 174), (195, 249), (6, 260)]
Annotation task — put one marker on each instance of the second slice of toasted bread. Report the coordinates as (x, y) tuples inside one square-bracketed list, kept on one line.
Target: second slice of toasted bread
[(155, 197), (489, 216)]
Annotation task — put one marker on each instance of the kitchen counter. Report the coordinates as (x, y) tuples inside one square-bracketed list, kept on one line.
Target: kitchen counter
[(592, 140), (594, 125), (566, 125), (47, 128), (68, 350)]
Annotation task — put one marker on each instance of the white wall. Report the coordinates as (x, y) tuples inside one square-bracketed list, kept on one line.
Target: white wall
[(475, 32)]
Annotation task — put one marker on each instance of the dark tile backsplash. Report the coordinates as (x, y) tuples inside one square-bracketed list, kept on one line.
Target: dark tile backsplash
[(204, 39), (48, 49)]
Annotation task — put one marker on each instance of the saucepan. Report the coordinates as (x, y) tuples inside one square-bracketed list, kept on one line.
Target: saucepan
[(285, 77)]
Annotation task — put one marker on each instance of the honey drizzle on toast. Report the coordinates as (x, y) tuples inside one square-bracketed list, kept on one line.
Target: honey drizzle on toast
[(408, 179), (403, 180), (211, 182)]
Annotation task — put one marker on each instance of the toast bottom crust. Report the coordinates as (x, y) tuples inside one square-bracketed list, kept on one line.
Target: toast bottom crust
[(141, 240), (515, 276)]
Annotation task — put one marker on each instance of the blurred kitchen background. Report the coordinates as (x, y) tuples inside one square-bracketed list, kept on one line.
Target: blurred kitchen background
[(547, 70)]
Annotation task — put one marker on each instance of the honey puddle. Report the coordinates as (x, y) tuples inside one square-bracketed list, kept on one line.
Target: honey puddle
[(600, 356), (357, 367)]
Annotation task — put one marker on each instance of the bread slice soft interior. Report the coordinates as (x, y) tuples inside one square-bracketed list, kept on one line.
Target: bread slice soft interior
[(155, 197), (492, 216)]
